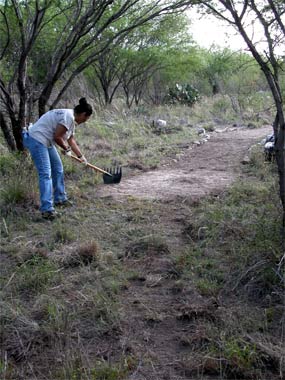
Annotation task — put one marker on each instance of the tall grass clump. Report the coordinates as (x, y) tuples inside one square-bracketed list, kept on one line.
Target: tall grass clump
[(18, 182)]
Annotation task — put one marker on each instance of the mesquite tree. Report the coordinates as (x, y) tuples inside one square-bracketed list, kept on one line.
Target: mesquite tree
[(45, 44), (131, 65)]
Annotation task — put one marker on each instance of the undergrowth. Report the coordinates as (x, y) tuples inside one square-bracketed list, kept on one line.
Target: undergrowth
[(239, 233), (61, 282), (234, 256)]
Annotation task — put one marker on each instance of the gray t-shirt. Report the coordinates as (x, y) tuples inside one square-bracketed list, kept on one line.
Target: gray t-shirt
[(43, 130)]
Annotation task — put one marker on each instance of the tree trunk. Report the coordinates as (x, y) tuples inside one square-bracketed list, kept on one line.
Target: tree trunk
[(7, 133), (215, 88), (279, 132), (44, 96), (17, 132)]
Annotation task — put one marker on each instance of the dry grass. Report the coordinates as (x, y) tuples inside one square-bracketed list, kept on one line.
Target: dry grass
[(75, 292)]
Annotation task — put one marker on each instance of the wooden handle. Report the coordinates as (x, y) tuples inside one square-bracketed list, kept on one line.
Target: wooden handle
[(92, 166)]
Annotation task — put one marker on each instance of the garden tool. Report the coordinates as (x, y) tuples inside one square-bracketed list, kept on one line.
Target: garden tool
[(110, 176)]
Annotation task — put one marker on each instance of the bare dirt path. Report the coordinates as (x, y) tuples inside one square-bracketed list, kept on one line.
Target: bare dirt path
[(162, 323), (199, 171)]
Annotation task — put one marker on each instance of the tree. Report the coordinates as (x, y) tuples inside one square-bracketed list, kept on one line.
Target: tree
[(180, 65), (131, 65), (269, 17), (73, 35), (106, 74), (140, 67), (218, 64)]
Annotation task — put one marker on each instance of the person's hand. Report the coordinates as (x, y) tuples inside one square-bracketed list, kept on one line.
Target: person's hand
[(83, 160), (66, 152)]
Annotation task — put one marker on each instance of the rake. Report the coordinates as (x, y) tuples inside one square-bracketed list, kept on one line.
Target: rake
[(110, 176)]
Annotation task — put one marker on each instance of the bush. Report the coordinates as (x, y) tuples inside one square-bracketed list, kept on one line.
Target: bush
[(182, 94), (18, 182)]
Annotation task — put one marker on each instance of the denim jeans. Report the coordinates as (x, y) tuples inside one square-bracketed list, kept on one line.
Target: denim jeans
[(50, 172)]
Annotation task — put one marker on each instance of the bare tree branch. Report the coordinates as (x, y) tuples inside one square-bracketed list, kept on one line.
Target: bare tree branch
[(6, 31)]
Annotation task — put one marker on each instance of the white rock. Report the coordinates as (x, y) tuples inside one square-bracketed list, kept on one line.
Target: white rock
[(160, 123)]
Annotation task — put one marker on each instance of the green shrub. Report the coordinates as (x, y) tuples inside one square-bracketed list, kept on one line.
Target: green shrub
[(221, 105), (182, 94), (241, 355)]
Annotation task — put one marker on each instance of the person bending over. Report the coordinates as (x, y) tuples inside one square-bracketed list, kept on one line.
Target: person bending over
[(55, 127)]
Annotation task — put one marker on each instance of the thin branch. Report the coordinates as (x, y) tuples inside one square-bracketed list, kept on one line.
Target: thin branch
[(7, 29), (277, 15)]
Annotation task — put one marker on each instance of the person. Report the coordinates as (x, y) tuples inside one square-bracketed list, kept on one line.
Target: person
[(55, 127)]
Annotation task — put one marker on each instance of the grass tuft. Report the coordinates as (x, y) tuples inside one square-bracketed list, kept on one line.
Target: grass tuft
[(85, 254)]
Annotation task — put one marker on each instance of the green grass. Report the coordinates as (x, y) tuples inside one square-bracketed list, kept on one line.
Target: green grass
[(243, 229), (34, 276), (62, 281), (131, 139), (17, 186), (236, 259)]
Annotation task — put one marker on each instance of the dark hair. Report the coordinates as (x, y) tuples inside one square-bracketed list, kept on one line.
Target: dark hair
[(83, 106)]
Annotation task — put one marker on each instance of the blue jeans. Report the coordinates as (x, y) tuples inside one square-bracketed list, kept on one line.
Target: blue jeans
[(50, 172)]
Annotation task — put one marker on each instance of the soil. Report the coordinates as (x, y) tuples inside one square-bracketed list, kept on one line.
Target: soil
[(200, 170), (163, 323)]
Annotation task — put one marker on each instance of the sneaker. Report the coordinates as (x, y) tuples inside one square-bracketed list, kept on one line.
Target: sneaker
[(65, 203), (50, 215)]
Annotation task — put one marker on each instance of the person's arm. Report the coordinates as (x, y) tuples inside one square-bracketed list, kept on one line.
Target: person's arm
[(59, 137), (75, 148)]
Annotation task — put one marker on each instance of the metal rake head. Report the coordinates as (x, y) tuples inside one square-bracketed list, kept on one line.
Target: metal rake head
[(114, 177)]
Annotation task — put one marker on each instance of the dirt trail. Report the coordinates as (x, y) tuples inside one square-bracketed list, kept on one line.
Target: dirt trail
[(162, 323), (200, 170)]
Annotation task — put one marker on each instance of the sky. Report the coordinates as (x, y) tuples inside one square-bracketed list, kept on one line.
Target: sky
[(207, 31)]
